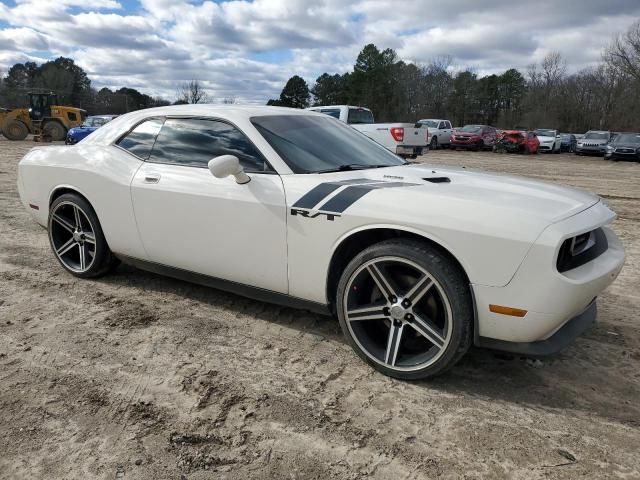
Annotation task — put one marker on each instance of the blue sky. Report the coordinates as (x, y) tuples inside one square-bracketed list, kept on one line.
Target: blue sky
[(248, 49)]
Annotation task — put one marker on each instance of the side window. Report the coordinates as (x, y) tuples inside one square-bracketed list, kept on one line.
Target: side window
[(442, 126), (72, 116), (193, 142), (139, 141), (448, 124)]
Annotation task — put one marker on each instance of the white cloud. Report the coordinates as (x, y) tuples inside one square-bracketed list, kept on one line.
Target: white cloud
[(248, 49)]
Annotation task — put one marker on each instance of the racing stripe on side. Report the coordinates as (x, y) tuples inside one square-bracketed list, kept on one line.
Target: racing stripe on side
[(320, 192), (353, 193)]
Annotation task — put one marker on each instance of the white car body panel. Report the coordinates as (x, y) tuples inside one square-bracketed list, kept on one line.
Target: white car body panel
[(504, 231), (231, 233)]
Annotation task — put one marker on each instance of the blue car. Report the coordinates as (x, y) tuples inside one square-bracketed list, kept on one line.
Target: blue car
[(568, 142), (91, 124)]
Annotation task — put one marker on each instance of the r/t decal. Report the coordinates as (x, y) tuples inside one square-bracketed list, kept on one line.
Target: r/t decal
[(311, 214), (313, 204)]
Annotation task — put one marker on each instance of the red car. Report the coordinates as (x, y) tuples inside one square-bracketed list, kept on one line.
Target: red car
[(517, 141), (474, 137)]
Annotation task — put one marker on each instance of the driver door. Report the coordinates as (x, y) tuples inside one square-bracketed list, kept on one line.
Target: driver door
[(190, 220)]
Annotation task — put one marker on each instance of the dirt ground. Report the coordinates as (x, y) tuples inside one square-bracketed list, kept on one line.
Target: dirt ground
[(144, 377)]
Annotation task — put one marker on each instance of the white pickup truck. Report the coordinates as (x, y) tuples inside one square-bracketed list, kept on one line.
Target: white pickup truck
[(403, 139), (439, 131)]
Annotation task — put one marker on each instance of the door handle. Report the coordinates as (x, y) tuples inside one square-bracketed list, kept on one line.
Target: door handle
[(151, 178)]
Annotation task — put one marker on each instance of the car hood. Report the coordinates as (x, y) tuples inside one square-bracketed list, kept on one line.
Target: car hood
[(467, 134), (544, 139), (635, 146), (418, 191)]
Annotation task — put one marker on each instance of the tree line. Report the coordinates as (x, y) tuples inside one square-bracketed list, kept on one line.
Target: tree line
[(544, 96), (73, 87)]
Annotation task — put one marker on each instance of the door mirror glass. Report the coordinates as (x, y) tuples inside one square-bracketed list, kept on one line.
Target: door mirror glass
[(226, 165)]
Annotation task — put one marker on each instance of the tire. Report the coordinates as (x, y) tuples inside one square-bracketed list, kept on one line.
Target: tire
[(15, 130), (434, 143), (391, 340), (55, 130), (76, 237)]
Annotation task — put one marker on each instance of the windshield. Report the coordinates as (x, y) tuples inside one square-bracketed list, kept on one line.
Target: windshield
[(429, 123), (471, 128), (596, 136), (95, 121), (545, 132), (628, 138), (311, 144), (359, 115), (332, 112)]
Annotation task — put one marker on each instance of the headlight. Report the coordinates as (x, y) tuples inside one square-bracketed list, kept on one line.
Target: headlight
[(579, 144), (610, 149)]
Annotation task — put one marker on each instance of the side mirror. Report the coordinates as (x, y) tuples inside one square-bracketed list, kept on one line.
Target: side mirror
[(225, 165)]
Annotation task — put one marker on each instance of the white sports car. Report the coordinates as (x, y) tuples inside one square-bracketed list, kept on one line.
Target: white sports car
[(294, 207), (550, 140)]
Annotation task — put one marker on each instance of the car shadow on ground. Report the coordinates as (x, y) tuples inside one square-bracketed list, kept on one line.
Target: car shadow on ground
[(555, 382)]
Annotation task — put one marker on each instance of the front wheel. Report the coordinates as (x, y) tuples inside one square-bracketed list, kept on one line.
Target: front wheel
[(405, 308), (76, 237), (15, 130), (55, 130), (434, 143)]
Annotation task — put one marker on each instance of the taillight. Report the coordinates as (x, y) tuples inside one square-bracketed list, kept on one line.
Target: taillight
[(397, 133)]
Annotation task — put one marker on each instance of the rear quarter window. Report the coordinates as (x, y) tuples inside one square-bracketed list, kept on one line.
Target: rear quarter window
[(140, 140)]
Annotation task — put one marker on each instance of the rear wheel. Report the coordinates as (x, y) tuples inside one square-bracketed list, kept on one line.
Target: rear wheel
[(405, 308), (76, 237), (55, 130), (15, 130)]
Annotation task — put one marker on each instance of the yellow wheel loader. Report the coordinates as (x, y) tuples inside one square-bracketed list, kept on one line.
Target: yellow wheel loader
[(44, 117)]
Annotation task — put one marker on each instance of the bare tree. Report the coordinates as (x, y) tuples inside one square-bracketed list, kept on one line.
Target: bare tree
[(230, 100), (624, 52), (191, 92), (554, 68)]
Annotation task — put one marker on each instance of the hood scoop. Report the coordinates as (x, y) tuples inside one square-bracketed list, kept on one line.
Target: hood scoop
[(437, 179)]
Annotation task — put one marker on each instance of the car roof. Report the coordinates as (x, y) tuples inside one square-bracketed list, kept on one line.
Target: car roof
[(231, 113), (338, 106)]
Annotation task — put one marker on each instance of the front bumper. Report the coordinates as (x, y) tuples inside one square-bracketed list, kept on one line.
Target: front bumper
[(461, 143), (555, 343), (591, 150), (634, 157), (550, 298)]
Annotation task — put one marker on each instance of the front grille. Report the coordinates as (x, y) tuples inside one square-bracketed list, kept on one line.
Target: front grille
[(581, 249), (625, 150), (592, 145)]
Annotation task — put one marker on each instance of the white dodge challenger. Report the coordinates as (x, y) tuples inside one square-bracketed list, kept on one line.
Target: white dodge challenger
[(294, 207)]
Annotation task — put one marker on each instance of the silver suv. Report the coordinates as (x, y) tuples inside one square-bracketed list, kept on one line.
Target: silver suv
[(594, 142)]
